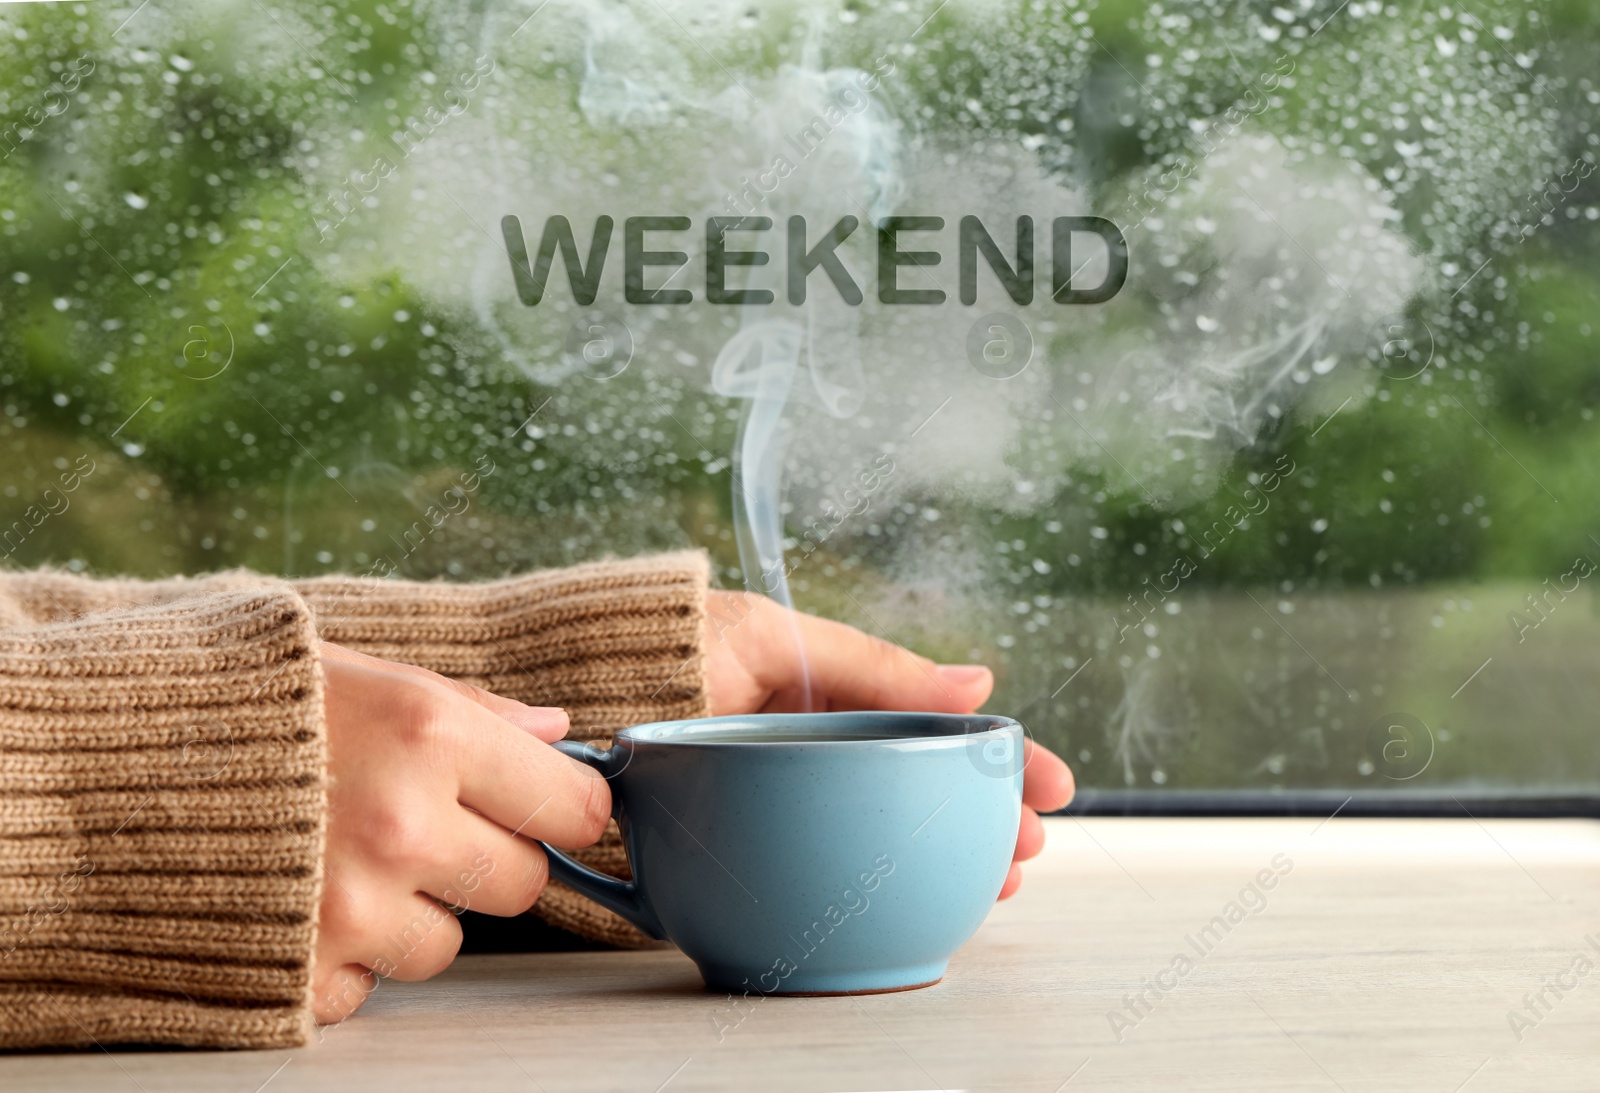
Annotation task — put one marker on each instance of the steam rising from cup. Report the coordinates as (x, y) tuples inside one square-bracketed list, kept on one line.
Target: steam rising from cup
[(1249, 302), (760, 363)]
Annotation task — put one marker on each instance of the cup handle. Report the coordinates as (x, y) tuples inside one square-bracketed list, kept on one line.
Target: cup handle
[(613, 894)]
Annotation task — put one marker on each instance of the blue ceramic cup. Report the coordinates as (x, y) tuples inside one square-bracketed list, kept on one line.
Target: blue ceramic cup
[(833, 853)]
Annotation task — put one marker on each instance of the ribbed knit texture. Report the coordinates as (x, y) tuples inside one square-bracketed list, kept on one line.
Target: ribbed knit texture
[(162, 771), (161, 817)]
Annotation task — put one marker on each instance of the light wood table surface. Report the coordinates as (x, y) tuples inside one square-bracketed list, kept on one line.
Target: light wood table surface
[(1388, 958)]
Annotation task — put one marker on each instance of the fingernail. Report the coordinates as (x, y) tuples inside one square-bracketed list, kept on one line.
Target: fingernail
[(963, 675)]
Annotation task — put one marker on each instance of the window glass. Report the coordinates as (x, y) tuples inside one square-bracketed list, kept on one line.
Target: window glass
[(1222, 373)]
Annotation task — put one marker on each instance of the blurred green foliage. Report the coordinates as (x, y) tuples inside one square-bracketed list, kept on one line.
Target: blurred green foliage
[(164, 304), (140, 223)]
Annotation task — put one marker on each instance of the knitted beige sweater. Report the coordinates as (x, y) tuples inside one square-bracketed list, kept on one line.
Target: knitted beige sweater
[(162, 774)]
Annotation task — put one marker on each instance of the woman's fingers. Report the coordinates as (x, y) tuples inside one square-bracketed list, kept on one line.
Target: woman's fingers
[(482, 867), (852, 670), (437, 788), (1030, 840), (339, 991), (420, 941), (548, 723), (525, 785), (1030, 836), (763, 656), (1046, 786), (370, 928), (436, 729), (1047, 783)]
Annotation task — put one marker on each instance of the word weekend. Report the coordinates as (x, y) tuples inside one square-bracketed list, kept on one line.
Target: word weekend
[(974, 239)]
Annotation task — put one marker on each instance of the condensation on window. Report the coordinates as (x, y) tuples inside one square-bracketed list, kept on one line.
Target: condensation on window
[(1303, 503)]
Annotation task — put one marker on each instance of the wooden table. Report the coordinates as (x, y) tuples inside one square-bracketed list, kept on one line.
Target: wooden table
[(1388, 957)]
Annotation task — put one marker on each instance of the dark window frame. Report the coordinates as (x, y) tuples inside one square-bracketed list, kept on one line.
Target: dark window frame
[(1474, 804)]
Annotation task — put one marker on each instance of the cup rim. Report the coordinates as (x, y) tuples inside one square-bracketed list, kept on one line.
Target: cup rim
[(703, 731)]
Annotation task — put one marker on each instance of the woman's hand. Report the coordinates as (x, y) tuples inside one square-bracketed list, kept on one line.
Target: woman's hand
[(1046, 786), (752, 666), (435, 790)]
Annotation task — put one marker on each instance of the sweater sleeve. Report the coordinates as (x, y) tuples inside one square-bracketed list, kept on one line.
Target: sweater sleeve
[(145, 894), (162, 797), (615, 643)]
